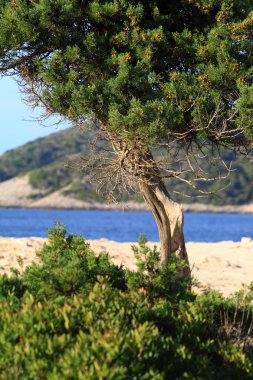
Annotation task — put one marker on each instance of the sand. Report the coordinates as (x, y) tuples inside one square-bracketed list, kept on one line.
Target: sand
[(223, 266)]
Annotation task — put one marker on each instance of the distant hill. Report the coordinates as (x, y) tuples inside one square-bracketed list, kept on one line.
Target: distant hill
[(53, 149), (47, 180), (40, 168)]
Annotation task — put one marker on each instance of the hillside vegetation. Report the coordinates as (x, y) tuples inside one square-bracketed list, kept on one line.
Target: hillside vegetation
[(42, 152), (44, 160)]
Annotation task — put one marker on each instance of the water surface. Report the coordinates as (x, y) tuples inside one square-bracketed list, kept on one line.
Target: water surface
[(123, 226)]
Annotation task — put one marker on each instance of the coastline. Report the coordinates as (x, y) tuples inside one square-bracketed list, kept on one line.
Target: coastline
[(223, 266), (18, 193), (73, 204)]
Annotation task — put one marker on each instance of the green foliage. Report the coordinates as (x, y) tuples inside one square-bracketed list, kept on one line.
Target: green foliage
[(145, 70), (42, 153), (158, 280), (51, 178), (108, 327), (69, 267), (83, 191), (37, 178)]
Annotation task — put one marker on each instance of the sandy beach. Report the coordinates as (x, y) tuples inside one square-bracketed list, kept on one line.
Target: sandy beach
[(223, 266)]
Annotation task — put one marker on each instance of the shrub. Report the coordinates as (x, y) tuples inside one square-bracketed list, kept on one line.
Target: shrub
[(49, 178), (69, 267), (158, 280), (78, 316)]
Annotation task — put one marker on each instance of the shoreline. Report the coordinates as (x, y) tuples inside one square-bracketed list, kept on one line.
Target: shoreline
[(223, 266), (131, 206), (17, 193)]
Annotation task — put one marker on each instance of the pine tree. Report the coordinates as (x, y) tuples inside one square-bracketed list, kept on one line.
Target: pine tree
[(151, 74)]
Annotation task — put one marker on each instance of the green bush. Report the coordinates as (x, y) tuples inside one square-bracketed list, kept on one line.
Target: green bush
[(50, 178), (83, 191), (68, 267), (158, 280), (78, 316)]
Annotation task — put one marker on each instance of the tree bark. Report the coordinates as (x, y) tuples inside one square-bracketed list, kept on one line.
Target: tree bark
[(169, 218), (167, 213)]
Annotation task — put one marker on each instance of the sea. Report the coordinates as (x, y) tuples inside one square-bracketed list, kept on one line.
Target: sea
[(123, 226)]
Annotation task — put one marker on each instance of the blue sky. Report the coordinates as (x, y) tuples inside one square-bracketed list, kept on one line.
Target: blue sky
[(17, 126)]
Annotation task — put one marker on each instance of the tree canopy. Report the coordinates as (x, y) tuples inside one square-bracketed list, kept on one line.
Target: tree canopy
[(148, 70)]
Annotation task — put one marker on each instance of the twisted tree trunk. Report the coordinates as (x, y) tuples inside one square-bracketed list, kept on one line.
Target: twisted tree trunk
[(169, 218), (139, 164)]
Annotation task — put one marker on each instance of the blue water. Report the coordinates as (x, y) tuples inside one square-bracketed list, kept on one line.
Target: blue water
[(122, 226)]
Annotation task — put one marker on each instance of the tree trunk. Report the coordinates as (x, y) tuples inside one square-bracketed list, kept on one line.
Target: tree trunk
[(167, 213), (169, 218)]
